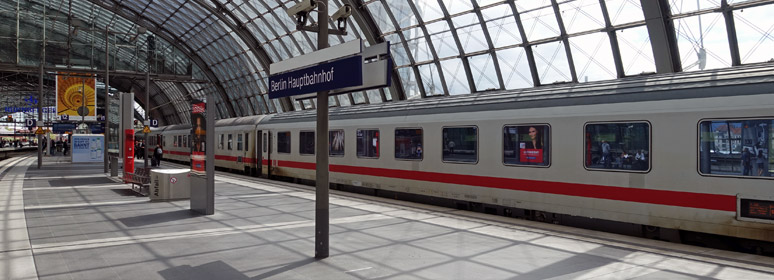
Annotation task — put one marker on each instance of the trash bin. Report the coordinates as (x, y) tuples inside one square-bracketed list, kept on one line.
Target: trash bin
[(113, 166), (169, 184)]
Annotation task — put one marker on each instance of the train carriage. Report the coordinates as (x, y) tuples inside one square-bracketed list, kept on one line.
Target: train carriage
[(664, 159)]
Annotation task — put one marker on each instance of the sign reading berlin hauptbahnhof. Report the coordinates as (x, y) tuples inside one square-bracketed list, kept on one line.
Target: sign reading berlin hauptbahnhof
[(341, 73)]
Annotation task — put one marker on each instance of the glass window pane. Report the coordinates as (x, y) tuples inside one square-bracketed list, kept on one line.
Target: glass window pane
[(239, 142), (457, 6), (442, 38), (753, 30), (220, 143), (455, 77), (380, 16), (399, 54), (368, 143), (230, 142), (526, 145), (581, 15), (306, 143), (408, 143), (515, 68), (429, 10), (336, 142), (502, 26), (636, 53), (703, 49), (687, 6), (483, 72), (402, 12), (409, 82), (624, 11), (283, 142), (460, 144), (551, 63), (431, 80), (737, 147), (540, 24), (619, 146), (417, 45), (470, 33), (593, 57)]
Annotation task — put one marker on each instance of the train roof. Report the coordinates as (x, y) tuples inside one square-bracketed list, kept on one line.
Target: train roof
[(745, 80)]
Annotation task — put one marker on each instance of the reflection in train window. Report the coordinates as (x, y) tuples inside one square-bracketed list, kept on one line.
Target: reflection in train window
[(368, 143), (306, 142), (185, 141), (265, 143), (336, 142), (736, 147), (408, 143), (220, 144), (526, 145), (239, 141), (460, 144), (230, 143), (618, 146), (174, 141), (283, 142)]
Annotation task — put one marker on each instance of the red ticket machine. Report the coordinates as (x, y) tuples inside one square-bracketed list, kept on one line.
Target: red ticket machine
[(128, 153)]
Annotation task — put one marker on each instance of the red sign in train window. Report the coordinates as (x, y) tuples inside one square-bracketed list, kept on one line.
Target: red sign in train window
[(757, 209)]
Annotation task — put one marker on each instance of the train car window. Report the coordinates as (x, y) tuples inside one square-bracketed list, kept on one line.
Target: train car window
[(460, 144), (239, 141), (230, 143), (618, 146), (174, 141), (220, 143), (283, 142), (185, 141), (306, 142), (408, 143), (526, 145), (164, 141), (367, 143), (736, 147), (247, 141), (336, 142), (265, 143)]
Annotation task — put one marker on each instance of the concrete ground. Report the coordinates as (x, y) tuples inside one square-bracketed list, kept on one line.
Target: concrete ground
[(71, 221)]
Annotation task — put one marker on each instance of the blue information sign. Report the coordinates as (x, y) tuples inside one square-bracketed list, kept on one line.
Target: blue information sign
[(347, 72)]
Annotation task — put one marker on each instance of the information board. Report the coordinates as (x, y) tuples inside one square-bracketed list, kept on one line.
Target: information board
[(346, 72), (88, 147)]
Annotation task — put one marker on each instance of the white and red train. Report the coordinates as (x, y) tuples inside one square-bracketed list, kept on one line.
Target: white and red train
[(662, 157)]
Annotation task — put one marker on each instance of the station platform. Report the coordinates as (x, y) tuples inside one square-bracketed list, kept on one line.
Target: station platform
[(71, 221)]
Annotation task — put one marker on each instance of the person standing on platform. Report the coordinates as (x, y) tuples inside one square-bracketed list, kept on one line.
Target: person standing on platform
[(158, 154), (606, 154)]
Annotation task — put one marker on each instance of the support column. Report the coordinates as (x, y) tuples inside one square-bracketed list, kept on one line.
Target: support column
[(40, 113), (147, 109), (322, 223), (107, 101)]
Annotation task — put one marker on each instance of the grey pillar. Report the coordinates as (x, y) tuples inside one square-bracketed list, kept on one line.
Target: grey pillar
[(40, 114), (147, 113), (107, 100), (321, 199)]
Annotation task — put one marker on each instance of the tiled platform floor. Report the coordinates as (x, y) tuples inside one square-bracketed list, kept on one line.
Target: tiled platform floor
[(82, 225)]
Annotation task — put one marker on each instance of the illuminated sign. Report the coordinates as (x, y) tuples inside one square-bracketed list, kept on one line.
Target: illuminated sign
[(756, 209)]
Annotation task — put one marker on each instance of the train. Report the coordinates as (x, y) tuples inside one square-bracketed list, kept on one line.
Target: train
[(682, 157)]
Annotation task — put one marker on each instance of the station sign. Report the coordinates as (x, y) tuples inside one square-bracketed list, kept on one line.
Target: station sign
[(64, 117), (154, 123), (341, 73), (30, 122)]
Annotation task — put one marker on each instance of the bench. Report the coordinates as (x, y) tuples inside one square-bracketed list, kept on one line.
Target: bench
[(140, 180)]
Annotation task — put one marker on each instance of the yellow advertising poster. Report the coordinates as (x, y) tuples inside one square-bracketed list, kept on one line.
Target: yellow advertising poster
[(75, 95)]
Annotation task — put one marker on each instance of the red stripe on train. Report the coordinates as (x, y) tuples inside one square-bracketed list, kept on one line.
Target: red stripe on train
[(663, 197)]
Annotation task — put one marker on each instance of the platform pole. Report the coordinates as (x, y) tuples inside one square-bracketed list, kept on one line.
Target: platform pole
[(147, 120), (107, 99), (40, 113), (322, 208)]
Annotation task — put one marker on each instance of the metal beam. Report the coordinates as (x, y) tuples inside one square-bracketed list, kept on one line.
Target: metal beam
[(733, 42), (662, 35), (129, 14), (526, 45), (565, 41), (617, 60), (371, 31)]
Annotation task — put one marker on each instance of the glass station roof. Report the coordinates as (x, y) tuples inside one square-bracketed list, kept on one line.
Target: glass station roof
[(439, 47)]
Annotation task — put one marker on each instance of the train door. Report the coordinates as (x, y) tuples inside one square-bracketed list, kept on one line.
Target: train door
[(257, 153), (266, 154)]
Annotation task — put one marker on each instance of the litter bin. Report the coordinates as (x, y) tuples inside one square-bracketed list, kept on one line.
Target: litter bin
[(113, 166), (169, 184)]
